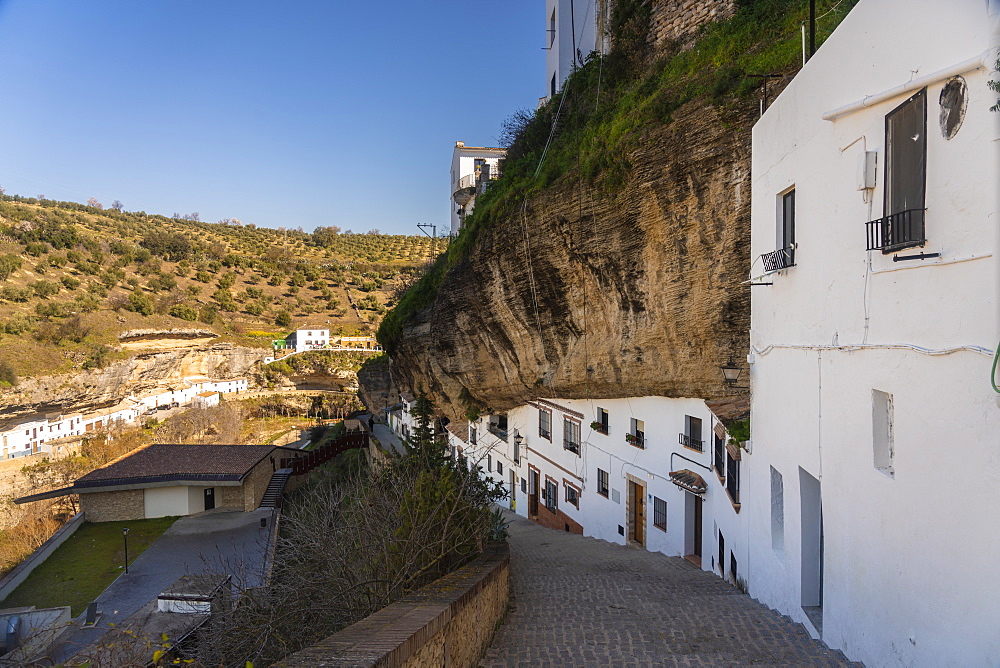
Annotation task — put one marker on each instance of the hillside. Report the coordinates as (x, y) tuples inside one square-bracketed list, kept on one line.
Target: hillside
[(623, 215), (74, 277)]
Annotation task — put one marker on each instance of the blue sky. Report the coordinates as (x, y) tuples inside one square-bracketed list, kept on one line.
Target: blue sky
[(279, 113)]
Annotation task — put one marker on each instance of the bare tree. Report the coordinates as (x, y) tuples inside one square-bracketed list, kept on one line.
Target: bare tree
[(116, 205), (94, 203)]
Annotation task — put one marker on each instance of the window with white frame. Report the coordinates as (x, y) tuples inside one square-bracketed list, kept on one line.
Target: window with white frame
[(602, 482), (551, 495), (572, 495), (659, 513), (571, 435), (545, 423)]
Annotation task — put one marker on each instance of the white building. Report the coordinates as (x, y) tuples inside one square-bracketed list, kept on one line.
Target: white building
[(875, 466), (573, 29), (309, 338), (647, 471), (473, 168)]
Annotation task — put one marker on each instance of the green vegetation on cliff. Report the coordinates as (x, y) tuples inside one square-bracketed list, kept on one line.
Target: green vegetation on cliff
[(585, 134)]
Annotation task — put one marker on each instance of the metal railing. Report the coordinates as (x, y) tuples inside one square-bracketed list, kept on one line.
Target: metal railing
[(571, 445), (896, 231), (779, 259), (690, 442), (733, 480), (498, 432), (638, 439), (323, 454)]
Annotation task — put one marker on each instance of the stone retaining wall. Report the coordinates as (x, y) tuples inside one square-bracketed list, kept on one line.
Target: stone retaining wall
[(679, 20), (449, 622)]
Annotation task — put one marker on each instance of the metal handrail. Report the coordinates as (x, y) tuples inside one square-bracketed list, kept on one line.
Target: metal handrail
[(777, 260)]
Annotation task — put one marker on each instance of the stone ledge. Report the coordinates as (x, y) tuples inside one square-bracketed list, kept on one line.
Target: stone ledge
[(394, 635)]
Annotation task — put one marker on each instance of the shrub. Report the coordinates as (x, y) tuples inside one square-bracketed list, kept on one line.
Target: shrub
[(140, 303), (283, 319), (8, 378), (8, 265), (70, 283), (44, 289), (184, 312)]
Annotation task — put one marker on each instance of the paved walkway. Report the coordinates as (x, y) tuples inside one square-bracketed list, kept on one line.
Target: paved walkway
[(579, 601), (387, 438), (215, 541)]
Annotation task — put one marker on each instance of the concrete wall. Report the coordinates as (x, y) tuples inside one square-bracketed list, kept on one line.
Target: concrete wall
[(113, 506), (905, 553), (447, 623)]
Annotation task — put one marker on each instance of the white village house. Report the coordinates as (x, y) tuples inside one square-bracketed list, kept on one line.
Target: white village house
[(874, 477), (308, 338), (573, 29), (473, 168)]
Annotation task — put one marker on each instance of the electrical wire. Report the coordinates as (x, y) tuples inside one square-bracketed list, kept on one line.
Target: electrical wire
[(876, 346), (993, 373)]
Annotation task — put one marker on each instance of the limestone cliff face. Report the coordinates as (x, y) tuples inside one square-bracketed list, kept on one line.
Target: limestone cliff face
[(590, 295), (141, 374)]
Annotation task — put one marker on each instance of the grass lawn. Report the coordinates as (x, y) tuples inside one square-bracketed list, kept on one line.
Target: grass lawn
[(82, 567)]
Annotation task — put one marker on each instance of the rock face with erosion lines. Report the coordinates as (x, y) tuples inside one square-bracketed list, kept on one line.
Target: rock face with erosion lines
[(602, 294)]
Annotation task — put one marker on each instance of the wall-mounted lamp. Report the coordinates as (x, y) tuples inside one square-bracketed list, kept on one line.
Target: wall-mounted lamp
[(730, 374)]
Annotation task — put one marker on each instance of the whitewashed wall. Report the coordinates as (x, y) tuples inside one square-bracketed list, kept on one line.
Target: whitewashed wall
[(906, 557)]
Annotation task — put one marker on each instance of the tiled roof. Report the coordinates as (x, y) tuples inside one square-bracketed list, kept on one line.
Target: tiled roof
[(689, 480), (159, 462), (730, 409), (460, 430)]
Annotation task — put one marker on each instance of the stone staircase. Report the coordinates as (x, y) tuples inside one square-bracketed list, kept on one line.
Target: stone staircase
[(275, 488)]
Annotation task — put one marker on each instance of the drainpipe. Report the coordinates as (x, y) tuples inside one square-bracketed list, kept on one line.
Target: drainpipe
[(991, 58)]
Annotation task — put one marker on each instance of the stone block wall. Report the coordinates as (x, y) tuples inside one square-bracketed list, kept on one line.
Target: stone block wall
[(127, 504), (679, 20), (449, 622), (254, 485)]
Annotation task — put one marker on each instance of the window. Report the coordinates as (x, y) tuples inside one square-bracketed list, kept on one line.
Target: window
[(786, 240), (473, 433), (571, 435), (545, 423), (499, 467), (882, 438), (637, 433), (552, 86), (552, 28), (777, 511), (551, 495), (902, 224), (691, 438), (524, 486), (602, 483), (572, 496), (733, 478), (719, 459), (498, 425), (517, 449), (601, 424), (659, 513), (489, 463)]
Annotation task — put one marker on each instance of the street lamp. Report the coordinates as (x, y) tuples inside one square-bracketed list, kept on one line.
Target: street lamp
[(125, 538), (730, 374)]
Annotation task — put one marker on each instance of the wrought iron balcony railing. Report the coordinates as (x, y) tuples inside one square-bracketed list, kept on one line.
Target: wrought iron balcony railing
[(637, 439), (897, 231), (776, 260), (689, 442)]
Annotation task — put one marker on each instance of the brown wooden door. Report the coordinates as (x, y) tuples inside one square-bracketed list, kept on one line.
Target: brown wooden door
[(533, 493), (637, 510)]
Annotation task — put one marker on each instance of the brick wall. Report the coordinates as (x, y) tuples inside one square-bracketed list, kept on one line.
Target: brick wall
[(557, 520), (679, 20), (449, 622), (126, 504)]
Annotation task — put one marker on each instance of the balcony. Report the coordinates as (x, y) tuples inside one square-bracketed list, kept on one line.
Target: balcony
[(690, 442), (637, 439), (497, 431), (783, 258), (599, 427), (897, 231)]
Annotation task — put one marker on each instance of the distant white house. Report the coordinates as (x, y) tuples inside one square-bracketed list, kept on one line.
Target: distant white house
[(473, 168), (206, 400), (573, 29), (308, 338), (875, 469)]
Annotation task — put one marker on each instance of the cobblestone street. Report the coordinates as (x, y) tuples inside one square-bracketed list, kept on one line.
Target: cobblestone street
[(579, 601)]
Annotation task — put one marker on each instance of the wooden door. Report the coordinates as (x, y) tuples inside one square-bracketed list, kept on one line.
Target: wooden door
[(533, 493), (637, 510)]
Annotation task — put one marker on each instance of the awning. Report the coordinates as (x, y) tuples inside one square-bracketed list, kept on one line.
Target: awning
[(688, 480)]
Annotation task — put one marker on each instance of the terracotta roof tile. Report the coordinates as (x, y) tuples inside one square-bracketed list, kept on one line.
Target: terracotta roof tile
[(162, 460)]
